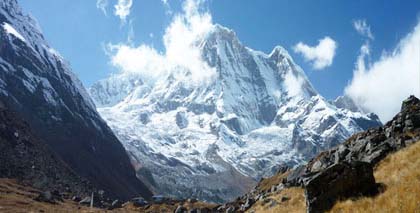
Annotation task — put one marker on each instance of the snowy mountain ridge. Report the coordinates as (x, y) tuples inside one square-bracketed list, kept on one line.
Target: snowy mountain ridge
[(40, 87), (213, 140)]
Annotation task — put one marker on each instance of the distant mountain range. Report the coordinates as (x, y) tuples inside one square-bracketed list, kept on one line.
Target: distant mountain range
[(214, 139)]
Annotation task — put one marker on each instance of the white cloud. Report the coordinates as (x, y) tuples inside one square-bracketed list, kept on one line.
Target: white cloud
[(102, 5), (293, 84), (363, 28), (381, 86), (181, 49), (143, 60), (122, 9), (321, 56)]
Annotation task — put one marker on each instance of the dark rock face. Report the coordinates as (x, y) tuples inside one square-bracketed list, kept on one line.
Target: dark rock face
[(39, 85), (181, 120), (340, 181), (26, 158)]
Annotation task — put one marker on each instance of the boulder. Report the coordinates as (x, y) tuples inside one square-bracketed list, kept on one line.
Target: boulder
[(139, 202), (85, 201), (339, 181), (46, 197), (284, 199), (76, 198)]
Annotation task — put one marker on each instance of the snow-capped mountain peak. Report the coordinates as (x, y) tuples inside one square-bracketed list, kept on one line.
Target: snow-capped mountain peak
[(214, 139)]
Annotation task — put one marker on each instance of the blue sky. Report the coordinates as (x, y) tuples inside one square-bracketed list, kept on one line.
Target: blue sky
[(80, 31)]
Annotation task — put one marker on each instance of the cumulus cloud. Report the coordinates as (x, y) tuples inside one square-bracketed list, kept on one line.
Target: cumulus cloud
[(123, 9), (182, 52), (143, 60), (381, 86), (363, 28), (321, 56)]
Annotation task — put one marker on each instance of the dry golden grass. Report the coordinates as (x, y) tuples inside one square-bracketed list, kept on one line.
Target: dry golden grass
[(165, 207), (266, 183), (15, 198), (400, 172), (295, 204)]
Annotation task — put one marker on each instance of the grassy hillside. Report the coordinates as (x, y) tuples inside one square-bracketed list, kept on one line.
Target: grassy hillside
[(290, 200), (17, 198), (400, 173)]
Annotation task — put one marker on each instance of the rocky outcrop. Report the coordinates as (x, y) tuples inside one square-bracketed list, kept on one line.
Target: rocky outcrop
[(370, 146), (344, 171), (339, 181)]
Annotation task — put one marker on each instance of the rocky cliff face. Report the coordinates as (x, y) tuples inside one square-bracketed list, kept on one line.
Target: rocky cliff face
[(27, 158), (212, 139), (37, 83)]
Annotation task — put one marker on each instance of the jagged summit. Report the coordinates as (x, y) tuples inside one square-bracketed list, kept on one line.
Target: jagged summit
[(215, 139), (222, 32)]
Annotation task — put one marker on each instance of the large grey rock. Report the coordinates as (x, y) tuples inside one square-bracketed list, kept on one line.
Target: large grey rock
[(46, 197), (340, 181), (85, 201)]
